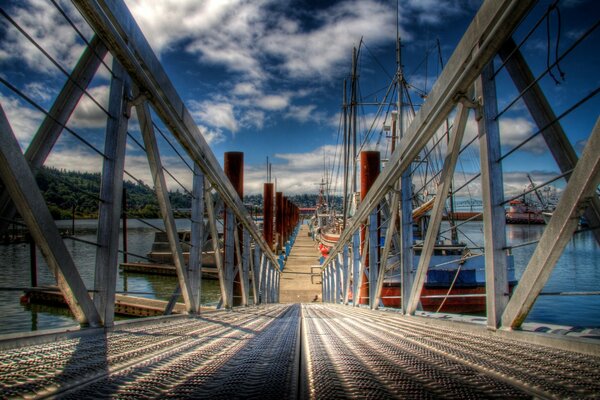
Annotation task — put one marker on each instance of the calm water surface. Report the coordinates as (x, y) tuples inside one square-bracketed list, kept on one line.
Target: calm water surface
[(577, 270), (14, 263)]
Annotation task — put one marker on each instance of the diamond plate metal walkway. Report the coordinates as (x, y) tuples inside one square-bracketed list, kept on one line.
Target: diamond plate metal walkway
[(294, 351)]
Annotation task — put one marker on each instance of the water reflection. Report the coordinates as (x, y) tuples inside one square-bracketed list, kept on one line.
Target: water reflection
[(15, 261), (577, 270)]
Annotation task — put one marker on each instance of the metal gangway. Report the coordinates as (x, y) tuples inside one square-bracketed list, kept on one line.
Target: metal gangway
[(251, 347)]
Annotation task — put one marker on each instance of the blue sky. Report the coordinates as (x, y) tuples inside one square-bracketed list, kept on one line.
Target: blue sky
[(265, 77)]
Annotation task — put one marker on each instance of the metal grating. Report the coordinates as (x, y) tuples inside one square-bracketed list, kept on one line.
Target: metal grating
[(259, 352)]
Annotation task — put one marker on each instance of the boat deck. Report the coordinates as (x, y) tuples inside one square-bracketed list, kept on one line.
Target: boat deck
[(292, 351)]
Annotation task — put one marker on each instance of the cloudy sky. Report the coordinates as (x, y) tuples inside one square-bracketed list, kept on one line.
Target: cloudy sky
[(265, 77)]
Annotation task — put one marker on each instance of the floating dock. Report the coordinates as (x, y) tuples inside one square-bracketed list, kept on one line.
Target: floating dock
[(162, 269), (125, 305), (301, 277)]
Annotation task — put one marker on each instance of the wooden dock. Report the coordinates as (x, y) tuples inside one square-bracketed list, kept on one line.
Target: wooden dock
[(125, 305), (301, 277), (163, 269)]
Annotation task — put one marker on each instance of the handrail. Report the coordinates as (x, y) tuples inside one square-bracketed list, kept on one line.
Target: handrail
[(114, 24)]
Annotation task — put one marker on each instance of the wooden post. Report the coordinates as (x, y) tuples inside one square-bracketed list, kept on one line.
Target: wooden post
[(279, 220), (369, 170), (268, 214), (234, 170)]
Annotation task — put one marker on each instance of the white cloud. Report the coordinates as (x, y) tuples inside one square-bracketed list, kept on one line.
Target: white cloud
[(273, 102), (75, 158), (43, 22), (215, 114), (513, 131), (23, 120), (253, 119), (87, 114), (212, 136), (245, 89)]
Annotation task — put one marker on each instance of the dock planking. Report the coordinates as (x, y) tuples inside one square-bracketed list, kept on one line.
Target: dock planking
[(298, 283)]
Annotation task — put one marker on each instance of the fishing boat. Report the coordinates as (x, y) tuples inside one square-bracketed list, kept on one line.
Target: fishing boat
[(522, 212), (455, 281)]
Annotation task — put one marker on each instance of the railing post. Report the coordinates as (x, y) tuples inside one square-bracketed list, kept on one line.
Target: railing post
[(197, 236), (406, 238), (346, 282), (264, 266), (338, 279), (111, 190), (494, 218), (256, 274), (355, 266), (245, 267)]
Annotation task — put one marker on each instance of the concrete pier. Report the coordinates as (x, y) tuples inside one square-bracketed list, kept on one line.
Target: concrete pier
[(298, 284)]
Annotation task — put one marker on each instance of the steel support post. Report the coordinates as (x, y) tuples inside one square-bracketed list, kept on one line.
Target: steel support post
[(255, 267), (269, 282), (406, 239), (264, 265), (580, 189), (362, 264), (164, 203), (439, 203), (197, 237), (22, 188), (373, 255), (58, 115), (545, 119), (323, 283), (245, 275), (277, 290), (212, 223), (338, 279), (331, 282), (346, 281), (494, 217), (228, 266), (391, 232), (272, 284), (111, 192), (355, 266)]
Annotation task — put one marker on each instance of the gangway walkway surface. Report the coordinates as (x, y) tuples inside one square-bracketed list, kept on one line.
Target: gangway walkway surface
[(294, 351), (298, 284)]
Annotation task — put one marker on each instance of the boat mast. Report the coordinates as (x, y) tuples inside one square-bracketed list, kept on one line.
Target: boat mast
[(346, 157), (353, 114)]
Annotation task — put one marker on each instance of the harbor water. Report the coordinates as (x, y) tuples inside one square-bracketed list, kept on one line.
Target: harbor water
[(578, 270)]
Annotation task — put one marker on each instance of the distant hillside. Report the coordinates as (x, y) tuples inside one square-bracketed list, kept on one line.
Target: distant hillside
[(64, 189)]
